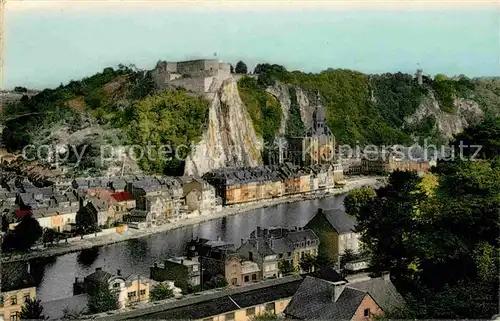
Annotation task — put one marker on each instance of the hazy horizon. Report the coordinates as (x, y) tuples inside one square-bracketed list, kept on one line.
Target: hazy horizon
[(48, 44)]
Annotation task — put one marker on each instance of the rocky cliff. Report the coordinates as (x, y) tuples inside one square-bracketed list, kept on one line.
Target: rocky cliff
[(446, 124), (229, 139)]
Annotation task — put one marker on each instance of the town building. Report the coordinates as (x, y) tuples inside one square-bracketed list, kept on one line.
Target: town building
[(336, 231), (279, 245), (221, 258), (17, 285), (232, 304), (200, 196), (335, 298), (184, 271), (383, 163), (317, 146), (131, 289), (195, 75)]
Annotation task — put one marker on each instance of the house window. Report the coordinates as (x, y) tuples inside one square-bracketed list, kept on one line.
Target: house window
[(116, 285), (289, 254), (26, 297), (195, 268), (14, 316), (366, 312), (234, 281), (13, 300), (1, 301), (254, 277), (247, 278), (270, 307), (308, 243), (234, 269), (143, 292), (132, 295), (230, 316), (250, 312)]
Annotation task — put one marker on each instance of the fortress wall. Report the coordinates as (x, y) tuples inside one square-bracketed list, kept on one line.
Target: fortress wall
[(195, 84)]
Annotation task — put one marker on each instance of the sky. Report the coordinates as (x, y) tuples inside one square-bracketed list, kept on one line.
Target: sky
[(52, 42)]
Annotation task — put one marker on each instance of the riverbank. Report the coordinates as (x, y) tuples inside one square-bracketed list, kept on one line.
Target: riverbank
[(82, 244)]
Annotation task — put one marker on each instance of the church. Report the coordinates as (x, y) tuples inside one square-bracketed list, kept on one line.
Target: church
[(316, 147)]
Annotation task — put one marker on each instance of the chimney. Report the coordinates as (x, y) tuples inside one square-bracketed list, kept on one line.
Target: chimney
[(337, 289), (98, 269), (386, 276), (118, 272)]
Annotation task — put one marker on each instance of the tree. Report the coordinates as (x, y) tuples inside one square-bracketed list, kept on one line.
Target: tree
[(27, 232), (286, 267), (102, 299), (161, 292), (347, 256), (32, 310), (307, 262), (20, 89), (5, 224), (357, 199), (241, 68), (216, 282), (49, 236)]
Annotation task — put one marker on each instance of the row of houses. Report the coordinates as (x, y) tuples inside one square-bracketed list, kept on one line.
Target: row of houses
[(321, 295), (140, 200), (266, 253), (241, 185)]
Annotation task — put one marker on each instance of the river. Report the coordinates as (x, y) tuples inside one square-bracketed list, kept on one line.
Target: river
[(55, 276)]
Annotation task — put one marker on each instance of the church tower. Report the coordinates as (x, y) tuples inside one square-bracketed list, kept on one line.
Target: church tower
[(319, 118)]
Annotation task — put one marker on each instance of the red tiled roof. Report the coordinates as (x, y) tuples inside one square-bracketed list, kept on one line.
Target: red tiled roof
[(21, 213), (122, 196)]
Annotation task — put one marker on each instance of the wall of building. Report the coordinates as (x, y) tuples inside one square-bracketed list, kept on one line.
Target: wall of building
[(195, 84), (367, 303), (328, 238), (141, 290), (246, 313), (9, 310), (348, 241)]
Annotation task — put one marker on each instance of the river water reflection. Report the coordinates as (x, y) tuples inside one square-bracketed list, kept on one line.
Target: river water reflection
[(55, 277)]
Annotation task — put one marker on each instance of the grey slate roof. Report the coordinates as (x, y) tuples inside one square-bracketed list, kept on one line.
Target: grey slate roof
[(313, 301), (54, 309), (228, 300), (382, 291), (99, 276), (340, 220)]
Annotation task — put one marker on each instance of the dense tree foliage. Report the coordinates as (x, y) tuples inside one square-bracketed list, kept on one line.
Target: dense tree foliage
[(241, 68), (438, 235), (357, 199), (32, 310), (168, 123), (447, 90), (24, 236), (215, 282), (102, 299), (161, 292), (263, 108)]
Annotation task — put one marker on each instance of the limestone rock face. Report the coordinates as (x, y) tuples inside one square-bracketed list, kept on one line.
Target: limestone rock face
[(282, 93), (229, 139), (467, 113)]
